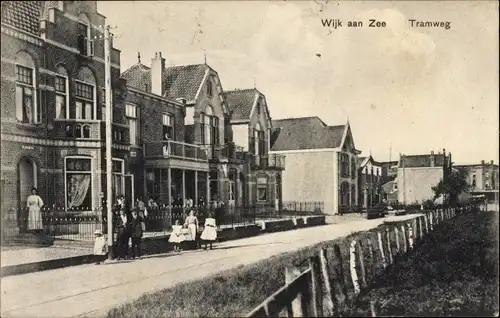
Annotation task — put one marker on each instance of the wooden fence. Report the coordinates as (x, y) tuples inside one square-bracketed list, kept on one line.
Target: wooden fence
[(313, 292)]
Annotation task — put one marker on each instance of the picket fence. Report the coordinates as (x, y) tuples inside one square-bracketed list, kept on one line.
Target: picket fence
[(310, 293)]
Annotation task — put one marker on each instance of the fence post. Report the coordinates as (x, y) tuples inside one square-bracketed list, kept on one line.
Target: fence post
[(316, 291), (340, 274), (372, 259), (325, 270), (431, 221), (398, 246), (410, 236), (362, 264), (415, 229), (294, 309), (389, 247), (381, 248), (354, 274), (405, 241), (426, 224), (420, 227), (442, 215)]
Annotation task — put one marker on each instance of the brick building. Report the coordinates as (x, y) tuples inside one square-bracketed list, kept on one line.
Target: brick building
[(52, 106), (483, 179), (369, 182), (252, 128)]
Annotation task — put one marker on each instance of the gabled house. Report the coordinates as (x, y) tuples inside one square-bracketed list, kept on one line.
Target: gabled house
[(210, 166), (370, 177), (322, 162), (251, 127), (417, 174), (53, 107)]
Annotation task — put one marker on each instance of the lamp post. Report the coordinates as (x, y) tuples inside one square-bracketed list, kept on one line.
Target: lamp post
[(109, 120)]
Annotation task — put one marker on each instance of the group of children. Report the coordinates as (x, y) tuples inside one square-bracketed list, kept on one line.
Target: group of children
[(132, 228), (188, 232)]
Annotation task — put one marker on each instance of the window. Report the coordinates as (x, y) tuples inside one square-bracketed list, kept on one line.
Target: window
[(62, 97), (258, 108), (84, 101), (214, 130), (78, 177), (202, 125), (118, 169), (168, 127), (473, 180), (209, 88), (262, 189), (214, 184), (131, 113), (84, 39), (27, 109), (210, 127)]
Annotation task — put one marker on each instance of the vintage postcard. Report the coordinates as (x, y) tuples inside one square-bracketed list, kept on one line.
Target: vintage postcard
[(249, 158)]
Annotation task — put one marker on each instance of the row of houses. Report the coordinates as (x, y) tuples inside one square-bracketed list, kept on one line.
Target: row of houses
[(177, 133)]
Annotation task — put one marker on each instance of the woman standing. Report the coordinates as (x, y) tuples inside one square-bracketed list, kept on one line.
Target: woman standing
[(192, 225), (35, 204), (209, 234)]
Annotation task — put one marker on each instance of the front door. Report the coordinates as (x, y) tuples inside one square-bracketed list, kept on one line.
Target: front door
[(27, 180), (276, 197), (129, 188)]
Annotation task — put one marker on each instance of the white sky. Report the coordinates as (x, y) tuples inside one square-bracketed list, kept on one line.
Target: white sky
[(419, 89)]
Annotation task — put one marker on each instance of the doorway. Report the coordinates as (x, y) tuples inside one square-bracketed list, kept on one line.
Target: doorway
[(27, 172)]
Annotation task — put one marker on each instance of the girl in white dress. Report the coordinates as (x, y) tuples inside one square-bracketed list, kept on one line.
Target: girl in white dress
[(209, 234), (177, 237), (35, 204), (192, 225)]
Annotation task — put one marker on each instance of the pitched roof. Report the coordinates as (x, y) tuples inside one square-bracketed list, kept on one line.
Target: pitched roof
[(241, 102), (180, 81), (24, 15), (414, 161), (306, 133)]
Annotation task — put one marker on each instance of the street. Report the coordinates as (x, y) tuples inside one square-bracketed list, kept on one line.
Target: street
[(91, 290)]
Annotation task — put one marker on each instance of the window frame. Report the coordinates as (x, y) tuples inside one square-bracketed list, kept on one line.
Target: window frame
[(262, 186), (85, 100), (133, 121), (23, 85), (90, 172), (169, 125), (64, 94)]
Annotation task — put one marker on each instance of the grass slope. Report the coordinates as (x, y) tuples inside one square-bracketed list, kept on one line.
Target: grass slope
[(453, 273)]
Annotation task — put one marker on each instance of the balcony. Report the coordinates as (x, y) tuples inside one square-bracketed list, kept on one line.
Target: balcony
[(230, 152), (268, 162), (175, 149), (77, 129)]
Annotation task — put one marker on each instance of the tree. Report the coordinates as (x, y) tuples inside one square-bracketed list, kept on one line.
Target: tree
[(454, 183)]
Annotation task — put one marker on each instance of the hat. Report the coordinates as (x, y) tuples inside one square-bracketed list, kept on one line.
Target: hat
[(98, 232)]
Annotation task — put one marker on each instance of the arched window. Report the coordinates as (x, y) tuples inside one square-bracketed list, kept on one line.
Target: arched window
[(344, 193), (62, 96), (86, 131), (78, 131), (353, 167), (209, 87), (27, 108), (85, 43), (353, 195), (85, 95)]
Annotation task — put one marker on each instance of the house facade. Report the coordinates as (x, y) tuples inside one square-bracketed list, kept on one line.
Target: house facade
[(369, 182), (252, 127), (321, 160), (53, 107), (417, 174), (483, 179)]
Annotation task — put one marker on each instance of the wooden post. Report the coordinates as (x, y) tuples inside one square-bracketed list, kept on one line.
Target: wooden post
[(398, 246), (421, 228), (354, 274), (415, 229), (410, 236), (340, 274), (316, 291), (372, 257), (329, 295), (372, 308), (431, 221), (295, 308), (362, 264), (381, 248), (442, 215), (389, 247), (405, 242), (426, 224)]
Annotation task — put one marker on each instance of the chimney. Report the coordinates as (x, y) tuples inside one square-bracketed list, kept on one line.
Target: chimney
[(482, 162), (433, 160), (157, 70)]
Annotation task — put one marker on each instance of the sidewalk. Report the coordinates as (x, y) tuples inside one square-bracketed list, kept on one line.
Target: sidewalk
[(92, 290)]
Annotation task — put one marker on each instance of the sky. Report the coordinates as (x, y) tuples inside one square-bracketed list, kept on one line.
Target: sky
[(403, 89)]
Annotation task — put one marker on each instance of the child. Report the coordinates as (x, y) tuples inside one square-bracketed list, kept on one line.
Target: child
[(176, 237), (100, 246), (209, 232)]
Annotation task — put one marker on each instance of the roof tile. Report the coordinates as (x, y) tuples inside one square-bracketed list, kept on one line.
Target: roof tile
[(24, 15), (241, 102)]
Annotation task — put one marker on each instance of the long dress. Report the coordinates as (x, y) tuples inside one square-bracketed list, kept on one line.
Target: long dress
[(191, 223), (210, 230), (176, 236), (35, 204)]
